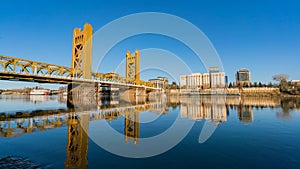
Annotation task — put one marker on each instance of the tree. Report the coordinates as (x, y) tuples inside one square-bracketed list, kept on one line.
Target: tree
[(234, 84), (173, 86), (230, 85), (270, 84), (281, 77), (260, 84)]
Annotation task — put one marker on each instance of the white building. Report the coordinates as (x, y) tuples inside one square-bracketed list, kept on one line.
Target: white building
[(206, 81), (182, 82), (295, 82), (192, 81), (217, 80), (198, 81)]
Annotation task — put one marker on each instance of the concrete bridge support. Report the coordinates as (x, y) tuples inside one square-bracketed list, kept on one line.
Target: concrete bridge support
[(133, 95), (83, 96)]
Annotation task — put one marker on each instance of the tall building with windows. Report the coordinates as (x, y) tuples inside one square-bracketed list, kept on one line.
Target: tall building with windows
[(206, 81), (217, 80), (183, 81), (194, 80), (191, 81), (198, 81), (243, 77)]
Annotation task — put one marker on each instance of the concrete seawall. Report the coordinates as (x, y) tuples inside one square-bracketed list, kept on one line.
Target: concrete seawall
[(257, 91)]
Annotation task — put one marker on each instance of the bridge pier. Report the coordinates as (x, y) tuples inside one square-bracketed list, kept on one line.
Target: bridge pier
[(90, 94), (83, 96), (133, 95)]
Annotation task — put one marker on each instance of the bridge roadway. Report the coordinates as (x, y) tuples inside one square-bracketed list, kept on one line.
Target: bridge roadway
[(16, 69), (14, 127), (66, 80)]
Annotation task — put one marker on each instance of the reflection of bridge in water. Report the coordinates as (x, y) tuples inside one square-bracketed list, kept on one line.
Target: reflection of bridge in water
[(15, 125), (214, 108), (77, 123)]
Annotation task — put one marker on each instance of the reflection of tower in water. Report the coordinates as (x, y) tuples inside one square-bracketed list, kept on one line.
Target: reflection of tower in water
[(77, 145), (245, 114), (132, 126)]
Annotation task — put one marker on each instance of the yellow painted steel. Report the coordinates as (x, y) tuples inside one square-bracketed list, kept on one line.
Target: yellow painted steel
[(133, 66), (132, 126), (81, 66), (77, 144), (82, 52), (27, 67)]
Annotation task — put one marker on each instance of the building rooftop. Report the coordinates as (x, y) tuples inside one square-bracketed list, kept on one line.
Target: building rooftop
[(244, 70)]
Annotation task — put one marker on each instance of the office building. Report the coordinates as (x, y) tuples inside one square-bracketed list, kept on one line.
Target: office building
[(205, 81), (243, 77), (198, 81), (191, 81), (217, 80)]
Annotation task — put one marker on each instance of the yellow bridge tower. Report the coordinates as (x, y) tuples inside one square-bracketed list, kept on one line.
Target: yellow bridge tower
[(133, 66), (82, 52)]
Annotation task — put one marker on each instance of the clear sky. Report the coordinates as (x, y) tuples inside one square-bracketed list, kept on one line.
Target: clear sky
[(261, 35)]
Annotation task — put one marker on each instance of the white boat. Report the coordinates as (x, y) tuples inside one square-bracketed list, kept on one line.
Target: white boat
[(39, 92)]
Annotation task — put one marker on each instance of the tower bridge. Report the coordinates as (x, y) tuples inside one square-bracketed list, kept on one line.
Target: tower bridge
[(80, 72)]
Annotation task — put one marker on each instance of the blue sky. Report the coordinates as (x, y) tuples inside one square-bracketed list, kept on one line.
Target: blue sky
[(263, 36)]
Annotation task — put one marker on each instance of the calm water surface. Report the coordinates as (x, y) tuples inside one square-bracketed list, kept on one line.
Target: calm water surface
[(249, 132)]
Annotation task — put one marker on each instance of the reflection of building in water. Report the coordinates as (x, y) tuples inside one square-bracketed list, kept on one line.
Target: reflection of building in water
[(210, 108), (254, 101), (77, 145), (245, 114), (245, 105), (132, 126), (159, 104)]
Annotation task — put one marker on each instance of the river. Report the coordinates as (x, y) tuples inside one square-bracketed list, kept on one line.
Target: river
[(161, 132)]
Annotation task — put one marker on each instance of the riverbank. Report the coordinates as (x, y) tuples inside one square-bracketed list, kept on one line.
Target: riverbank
[(287, 96), (248, 92)]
